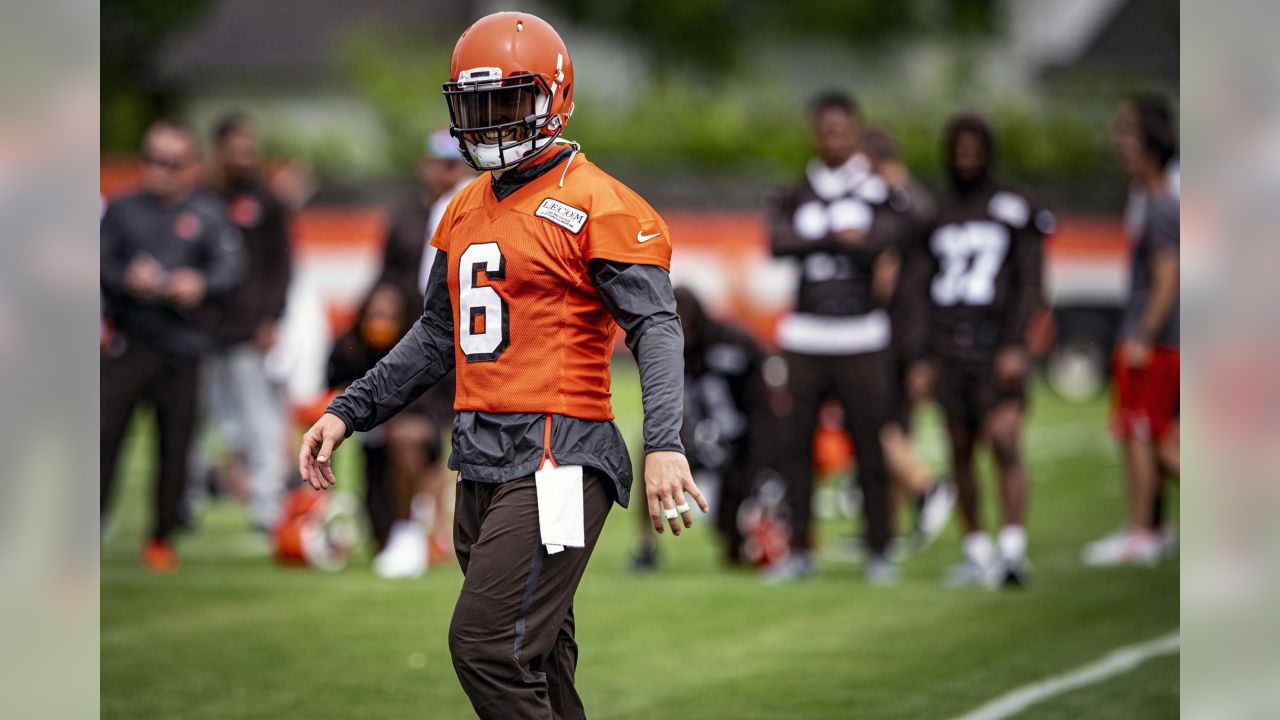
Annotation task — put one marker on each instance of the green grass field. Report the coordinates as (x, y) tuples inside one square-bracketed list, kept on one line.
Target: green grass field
[(233, 636)]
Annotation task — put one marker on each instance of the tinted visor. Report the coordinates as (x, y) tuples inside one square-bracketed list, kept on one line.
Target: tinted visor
[(497, 112)]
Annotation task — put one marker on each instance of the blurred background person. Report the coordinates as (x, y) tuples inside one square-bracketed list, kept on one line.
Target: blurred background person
[(975, 282), (407, 255), (1145, 381), (837, 222), (404, 460), (165, 252), (240, 399), (913, 482), (725, 427), (1156, 106), (398, 454)]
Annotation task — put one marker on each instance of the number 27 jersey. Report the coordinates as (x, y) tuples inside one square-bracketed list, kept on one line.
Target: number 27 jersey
[(985, 252), (531, 332)]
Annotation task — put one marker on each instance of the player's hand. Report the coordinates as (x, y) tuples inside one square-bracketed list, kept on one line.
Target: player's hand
[(316, 456), (919, 381), (145, 277), (1137, 353), (1011, 366), (666, 480), (186, 288)]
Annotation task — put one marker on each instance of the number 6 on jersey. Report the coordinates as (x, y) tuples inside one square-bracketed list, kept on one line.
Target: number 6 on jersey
[(483, 318)]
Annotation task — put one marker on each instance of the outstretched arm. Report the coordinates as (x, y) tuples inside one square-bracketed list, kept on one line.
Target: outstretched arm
[(643, 304)]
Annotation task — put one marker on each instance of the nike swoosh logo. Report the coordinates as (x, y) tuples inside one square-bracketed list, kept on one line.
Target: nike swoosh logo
[(641, 237)]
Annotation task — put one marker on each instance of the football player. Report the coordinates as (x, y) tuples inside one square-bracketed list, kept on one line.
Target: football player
[(540, 260), (976, 276), (1145, 389), (839, 222)]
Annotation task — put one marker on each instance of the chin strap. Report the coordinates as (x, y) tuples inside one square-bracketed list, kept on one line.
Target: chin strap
[(572, 155)]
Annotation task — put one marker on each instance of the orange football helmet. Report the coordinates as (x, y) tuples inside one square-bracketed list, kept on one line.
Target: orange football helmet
[(510, 89)]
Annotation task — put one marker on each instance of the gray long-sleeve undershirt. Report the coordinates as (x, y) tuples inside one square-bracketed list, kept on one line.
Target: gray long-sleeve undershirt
[(642, 302)]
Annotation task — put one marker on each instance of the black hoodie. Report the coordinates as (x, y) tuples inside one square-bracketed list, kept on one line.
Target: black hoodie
[(973, 278)]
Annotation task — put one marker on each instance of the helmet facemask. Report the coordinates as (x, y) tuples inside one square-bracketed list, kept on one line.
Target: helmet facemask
[(499, 121)]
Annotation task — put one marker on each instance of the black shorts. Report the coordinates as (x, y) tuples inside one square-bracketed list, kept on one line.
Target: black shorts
[(967, 391)]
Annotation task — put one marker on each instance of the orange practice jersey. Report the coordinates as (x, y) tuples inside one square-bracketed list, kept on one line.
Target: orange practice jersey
[(531, 333)]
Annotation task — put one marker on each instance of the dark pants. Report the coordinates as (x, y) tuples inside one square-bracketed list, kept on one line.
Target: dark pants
[(379, 501), (861, 384), (138, 372), (734, 488), (512, 632)]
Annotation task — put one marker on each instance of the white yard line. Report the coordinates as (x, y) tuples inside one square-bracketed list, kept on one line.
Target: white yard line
[(1118, 662)]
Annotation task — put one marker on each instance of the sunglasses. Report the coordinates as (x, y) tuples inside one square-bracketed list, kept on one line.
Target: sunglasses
[(166, 163)]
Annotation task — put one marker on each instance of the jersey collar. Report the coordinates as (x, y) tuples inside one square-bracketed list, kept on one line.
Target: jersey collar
[(516, 178)]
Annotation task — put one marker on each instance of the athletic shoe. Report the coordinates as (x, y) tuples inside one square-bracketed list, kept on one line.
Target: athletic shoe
[(934, 512), (1017, 574), (405, 555), (1124, 547), (880, 572), (1105, 546), (971, 574), (790, 568), (158, 557)]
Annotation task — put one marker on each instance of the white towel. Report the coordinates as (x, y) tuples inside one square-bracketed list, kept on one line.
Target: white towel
[(560, 506)]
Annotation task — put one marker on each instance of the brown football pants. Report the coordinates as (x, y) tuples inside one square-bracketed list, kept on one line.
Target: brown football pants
[(512, 632)]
